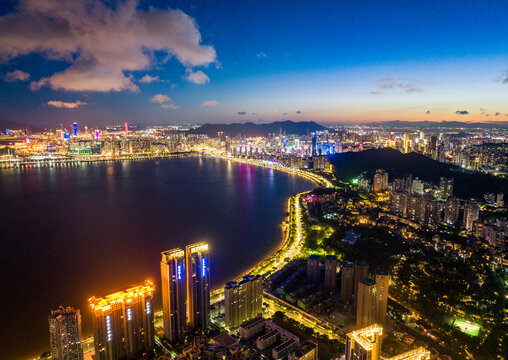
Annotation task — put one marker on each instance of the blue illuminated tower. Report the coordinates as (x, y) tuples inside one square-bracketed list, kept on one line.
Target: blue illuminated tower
[(75, 125), (174, 294), (198, 286)]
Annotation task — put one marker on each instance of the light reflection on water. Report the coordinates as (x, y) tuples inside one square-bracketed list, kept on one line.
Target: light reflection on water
[(69, 233)]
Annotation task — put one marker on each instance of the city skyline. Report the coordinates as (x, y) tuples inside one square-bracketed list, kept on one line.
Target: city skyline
[(346, 62)]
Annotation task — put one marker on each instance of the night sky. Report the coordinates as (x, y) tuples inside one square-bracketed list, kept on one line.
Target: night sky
[(183, 62)]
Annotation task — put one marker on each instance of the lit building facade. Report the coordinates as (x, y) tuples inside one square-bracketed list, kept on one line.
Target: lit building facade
[(198, 286), (123, 323), (174, 294), (381, 302), (243, 300), (361, 272), (364, 344), (471, 214), (365, 300), (420, 353), (65, 334)]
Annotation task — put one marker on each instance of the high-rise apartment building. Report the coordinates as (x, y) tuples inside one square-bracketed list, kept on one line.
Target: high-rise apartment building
[(364, 344), (243, 300), (361, 272), (198, 286), (445, 187), (417, 187), (380, 182), (346, 281), (174, 294), (471, 214), (123, 323), (381, 302), (365, 300), (451, 211), (330, 273), (65, 334), (313, 269)]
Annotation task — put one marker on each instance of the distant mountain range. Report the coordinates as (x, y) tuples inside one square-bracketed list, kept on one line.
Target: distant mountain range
[(7, 124), (443, 124), (250, 129), (467, 184)]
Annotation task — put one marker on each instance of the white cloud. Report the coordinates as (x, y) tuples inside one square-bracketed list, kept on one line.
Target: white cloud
[(16, 75), (66, 105), (160, 99), (99, 41), (169, 106), (211, 103), (147, 79), (197, 77)]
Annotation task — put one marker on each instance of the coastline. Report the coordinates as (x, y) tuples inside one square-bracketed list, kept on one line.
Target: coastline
[(292, 211)]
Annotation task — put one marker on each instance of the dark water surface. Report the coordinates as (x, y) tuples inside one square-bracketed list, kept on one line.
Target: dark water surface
[(69, 233)]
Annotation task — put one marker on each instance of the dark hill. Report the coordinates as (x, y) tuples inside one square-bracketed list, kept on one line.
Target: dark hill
[(250, 129), (467, 184)]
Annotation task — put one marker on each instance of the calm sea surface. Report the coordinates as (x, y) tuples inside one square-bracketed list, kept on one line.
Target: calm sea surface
[(69, 233)]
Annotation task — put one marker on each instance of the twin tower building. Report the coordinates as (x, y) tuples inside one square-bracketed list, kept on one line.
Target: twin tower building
[(185, 290)]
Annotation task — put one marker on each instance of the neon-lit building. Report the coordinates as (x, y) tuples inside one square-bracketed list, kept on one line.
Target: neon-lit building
[(65, 334), (75, 126), (198, 285), (123, 323), (174, 294), (364, 344), (416, 354)]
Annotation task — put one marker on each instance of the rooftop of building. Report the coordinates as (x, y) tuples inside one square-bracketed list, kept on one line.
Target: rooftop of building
[(368, 281), (225, 340)]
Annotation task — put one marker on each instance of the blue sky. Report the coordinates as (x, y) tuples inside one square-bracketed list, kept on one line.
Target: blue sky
[(328, 61)]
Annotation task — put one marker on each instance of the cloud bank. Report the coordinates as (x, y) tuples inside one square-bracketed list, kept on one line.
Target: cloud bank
[(16, 75), (211, 103), (147, 79), (462, 112), (197, 77), (66, 105), (102, 43)]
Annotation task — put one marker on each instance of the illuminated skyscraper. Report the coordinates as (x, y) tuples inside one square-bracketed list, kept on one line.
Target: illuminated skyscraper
[(65, 334), (445, 187), (407, 143), (330, 273), (381, 302), (471, 214), (361, 272), (313, 270), (364, 344), (174, 294), (365, 300), (451, 210), (416, 354), (198, 286), (123, 323), (380, 182), (346, 282), (75, 126), (243, 300)]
